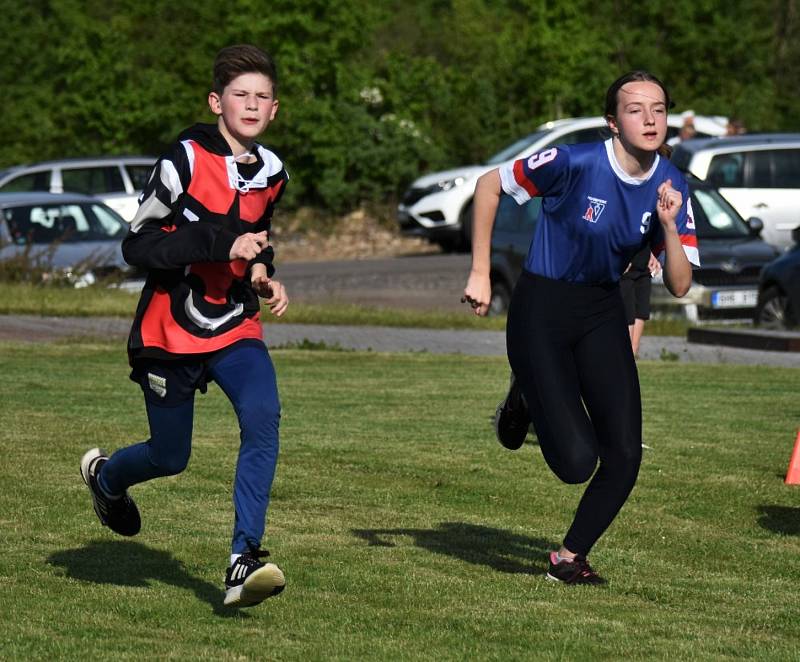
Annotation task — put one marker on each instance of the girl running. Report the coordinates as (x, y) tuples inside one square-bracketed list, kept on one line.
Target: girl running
[(567, 337)]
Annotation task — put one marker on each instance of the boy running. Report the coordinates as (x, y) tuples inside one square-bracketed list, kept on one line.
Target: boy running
[(202, 235)]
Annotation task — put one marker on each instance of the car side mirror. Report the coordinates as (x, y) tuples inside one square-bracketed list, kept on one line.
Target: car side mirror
[(756, 225), (796, 235)]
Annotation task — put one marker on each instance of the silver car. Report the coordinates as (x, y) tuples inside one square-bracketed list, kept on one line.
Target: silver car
[(116, 180), (75, 235)]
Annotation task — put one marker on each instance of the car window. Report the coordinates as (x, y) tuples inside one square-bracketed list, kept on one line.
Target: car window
[(507, 218), (109, 223), (139, 175), (759, 167), (44, 224), (726, 170), (786, 168), (33, 181), (530, 215), (715, 218), (92, 181), (515, 148), (592, 135)]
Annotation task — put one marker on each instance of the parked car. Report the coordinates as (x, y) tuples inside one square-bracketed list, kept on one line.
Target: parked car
[(117, 180), (779, 290), (75, 235), (514, 227), (724, 287), (438, 206), (759, 174)]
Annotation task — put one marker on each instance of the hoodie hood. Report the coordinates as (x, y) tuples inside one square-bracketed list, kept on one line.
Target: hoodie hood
[(242, 177), (209, 137)]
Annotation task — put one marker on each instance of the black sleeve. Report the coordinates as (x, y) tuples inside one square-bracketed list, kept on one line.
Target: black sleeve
[(157, 247), (154, 240)]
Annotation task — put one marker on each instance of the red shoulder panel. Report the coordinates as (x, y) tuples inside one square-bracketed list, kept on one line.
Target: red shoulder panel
[(209, 185)]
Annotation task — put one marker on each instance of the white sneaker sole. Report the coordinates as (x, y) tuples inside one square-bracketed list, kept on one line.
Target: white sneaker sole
[(86, 463), (260, 585)]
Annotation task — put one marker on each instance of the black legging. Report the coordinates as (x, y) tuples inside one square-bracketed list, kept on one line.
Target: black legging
[(569, 348)]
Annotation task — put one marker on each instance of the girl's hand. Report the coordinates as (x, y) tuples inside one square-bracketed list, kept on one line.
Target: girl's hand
[(669, 204), (478, 293)]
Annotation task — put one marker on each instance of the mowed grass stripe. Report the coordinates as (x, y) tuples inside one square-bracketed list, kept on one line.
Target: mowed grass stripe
[(101, 301), (404, 529)]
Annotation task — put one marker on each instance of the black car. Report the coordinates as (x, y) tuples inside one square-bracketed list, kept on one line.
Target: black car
[(779, 290), (724, 287), (514, 227)]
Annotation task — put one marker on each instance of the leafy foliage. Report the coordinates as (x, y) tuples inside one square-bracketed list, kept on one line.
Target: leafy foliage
[(374, 93)]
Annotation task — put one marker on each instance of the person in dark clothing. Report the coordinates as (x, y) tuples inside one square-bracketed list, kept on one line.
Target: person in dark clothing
[(202, 235), (635, 285), (575, 377)]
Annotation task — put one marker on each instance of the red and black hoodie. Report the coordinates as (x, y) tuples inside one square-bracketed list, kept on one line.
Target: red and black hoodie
[(197, 202)]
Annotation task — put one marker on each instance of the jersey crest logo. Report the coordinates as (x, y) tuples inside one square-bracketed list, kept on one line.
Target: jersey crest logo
[(596, 207)]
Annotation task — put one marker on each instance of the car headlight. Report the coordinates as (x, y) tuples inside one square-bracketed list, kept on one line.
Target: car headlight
[(447, 184)]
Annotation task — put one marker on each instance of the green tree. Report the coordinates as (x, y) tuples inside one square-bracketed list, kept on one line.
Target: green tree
[(374, 93)]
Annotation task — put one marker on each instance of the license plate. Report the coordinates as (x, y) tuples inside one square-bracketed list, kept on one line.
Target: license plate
[(734, 299)]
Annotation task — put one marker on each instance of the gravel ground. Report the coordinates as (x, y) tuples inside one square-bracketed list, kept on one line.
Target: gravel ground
[(381, 339)]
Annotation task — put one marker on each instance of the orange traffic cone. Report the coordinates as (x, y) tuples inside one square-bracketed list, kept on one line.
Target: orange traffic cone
[(793, 473)]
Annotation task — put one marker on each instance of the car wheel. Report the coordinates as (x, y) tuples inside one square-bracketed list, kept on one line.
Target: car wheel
[(449, 244), (773, 310), (501, 298)]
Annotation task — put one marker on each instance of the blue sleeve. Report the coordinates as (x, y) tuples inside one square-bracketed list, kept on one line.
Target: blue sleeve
[(544, 174)]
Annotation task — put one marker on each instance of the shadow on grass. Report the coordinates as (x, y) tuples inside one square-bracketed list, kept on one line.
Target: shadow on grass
[(480, 545), (125, 563), (780, 519)]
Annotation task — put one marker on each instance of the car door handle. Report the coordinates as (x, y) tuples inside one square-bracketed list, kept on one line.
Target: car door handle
[(761, 205)]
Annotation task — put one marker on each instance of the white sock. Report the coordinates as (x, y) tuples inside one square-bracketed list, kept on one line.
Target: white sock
[(560, 558), (234, 557)]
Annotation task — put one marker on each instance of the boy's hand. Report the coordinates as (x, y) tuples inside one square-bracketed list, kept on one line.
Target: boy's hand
[(277, 300), (248, 245), (271, 290)]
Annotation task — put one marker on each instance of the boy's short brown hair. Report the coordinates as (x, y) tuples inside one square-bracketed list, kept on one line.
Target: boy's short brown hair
[(233, 61)]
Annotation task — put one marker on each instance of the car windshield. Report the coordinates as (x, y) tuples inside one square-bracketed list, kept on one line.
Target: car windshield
[(515, 148), (69, 223), (715, 218)]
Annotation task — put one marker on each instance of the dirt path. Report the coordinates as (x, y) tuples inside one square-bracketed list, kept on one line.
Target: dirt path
[(380, 339)]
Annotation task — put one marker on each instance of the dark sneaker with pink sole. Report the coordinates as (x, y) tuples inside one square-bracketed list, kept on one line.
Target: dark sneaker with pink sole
[(577, 571)]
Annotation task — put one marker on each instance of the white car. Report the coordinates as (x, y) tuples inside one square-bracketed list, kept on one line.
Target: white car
[(438, 206), (116, 180), (759, 174)]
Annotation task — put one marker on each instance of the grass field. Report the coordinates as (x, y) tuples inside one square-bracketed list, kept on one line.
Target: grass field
[(405, 531), (25, 299)]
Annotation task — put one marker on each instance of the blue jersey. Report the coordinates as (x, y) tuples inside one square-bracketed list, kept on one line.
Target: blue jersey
[(594, 217)]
